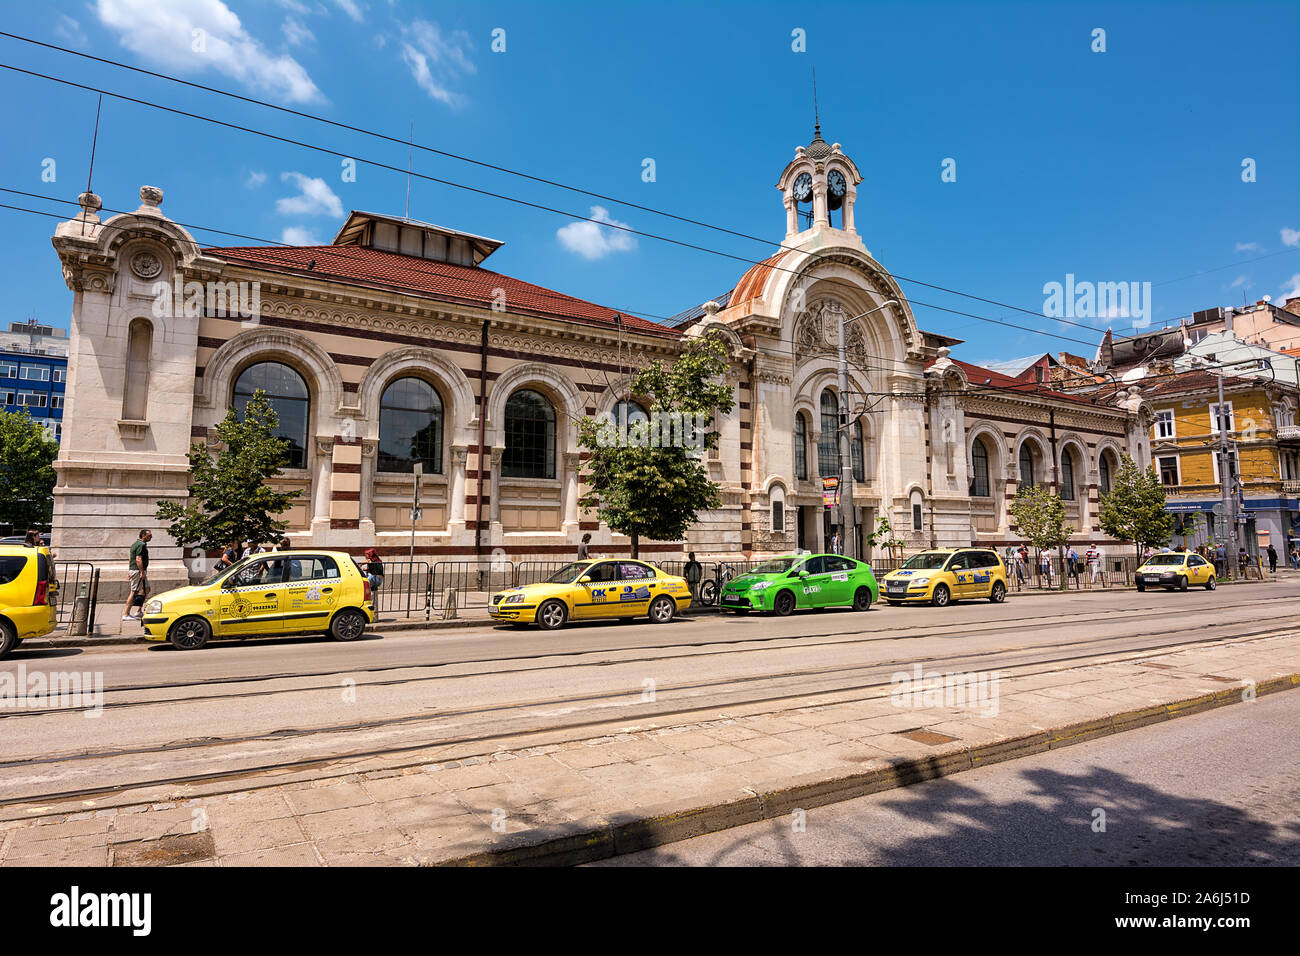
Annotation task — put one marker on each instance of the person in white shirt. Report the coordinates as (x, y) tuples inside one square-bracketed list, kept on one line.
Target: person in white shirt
[(1094, 561)]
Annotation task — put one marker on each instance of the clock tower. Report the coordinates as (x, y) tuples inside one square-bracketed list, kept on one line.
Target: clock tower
[(819, 183)]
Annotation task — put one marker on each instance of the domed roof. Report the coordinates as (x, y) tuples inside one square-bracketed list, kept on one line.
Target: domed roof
[(818, 149)]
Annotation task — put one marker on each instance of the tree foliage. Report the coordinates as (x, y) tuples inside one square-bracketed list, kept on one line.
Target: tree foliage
[(657, 489), (1134, 510), (27, 456), (1040, 517), (230, 499)]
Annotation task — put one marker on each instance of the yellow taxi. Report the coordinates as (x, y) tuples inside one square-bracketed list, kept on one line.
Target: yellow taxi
[(944, 575), (1175, 569), (587, 590), (27, 587), (299, 591)]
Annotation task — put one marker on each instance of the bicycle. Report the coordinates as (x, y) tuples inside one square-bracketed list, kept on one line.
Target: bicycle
[(711, 587)]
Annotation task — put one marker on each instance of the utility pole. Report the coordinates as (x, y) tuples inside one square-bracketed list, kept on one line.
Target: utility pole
[(1225, 485), (848, 517)]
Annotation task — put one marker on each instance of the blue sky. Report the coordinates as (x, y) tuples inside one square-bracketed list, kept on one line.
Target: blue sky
[(1122, 165)]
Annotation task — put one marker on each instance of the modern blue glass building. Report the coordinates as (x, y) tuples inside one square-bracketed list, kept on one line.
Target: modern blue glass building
[(34, 382)]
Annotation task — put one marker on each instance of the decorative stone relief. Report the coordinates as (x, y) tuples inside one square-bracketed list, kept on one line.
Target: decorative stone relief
[(146, 265)]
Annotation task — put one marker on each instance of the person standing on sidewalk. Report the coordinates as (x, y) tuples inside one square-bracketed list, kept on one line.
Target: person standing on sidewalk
[(138, 576), (692, 573), (582, 546), (1092, 558), (1272, 559)]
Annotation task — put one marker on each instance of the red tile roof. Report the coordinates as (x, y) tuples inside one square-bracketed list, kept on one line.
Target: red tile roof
[(977, 375), (360, 265)]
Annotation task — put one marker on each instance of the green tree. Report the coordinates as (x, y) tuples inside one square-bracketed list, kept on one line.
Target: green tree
[(1040, 518), (230, 499), (1134, 510), (883, 537), (652, 482), (26, 471)]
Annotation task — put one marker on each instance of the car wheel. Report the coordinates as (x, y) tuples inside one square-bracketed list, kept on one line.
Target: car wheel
[(8, 638), (862, 599), (1182, 583), (784, 604), (348, 625), (189, 634), (662, 609), (552, 615), (999, 592), (941, 596), (1211, 584)]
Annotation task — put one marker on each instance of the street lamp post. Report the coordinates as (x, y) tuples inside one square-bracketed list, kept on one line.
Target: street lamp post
[(848, 520)]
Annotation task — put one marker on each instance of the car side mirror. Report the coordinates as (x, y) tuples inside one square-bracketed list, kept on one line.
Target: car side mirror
[(585, 579)]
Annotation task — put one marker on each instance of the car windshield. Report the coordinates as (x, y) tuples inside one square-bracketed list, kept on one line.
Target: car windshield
[(927, 560), (217, 575), (1162, 559), (568, 573), (775, 566)]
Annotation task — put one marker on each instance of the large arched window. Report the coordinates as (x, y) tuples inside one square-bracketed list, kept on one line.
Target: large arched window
[(530, 436), (1103, 469), (800, 445), (828, 444), (1026, 465), (1067, 475), (410, 427), (139, 343), (626, 412), (288, 395), (979, 470), (857, 448)]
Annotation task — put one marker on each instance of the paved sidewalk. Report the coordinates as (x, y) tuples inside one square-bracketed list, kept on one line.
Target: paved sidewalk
[(634, 787)]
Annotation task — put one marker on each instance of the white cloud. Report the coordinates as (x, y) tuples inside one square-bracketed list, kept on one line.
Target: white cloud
[(594, 241), (70, 30), (196, 35), (351, 9), (1289, 291), (314, 198), (1240, 281), (437, 61), (296, 33), (255, 178), (1290, 237), (299, 236), (1247, 246)]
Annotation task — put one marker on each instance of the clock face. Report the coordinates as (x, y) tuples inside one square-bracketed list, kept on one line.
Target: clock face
[(803, 188), (836, 184)]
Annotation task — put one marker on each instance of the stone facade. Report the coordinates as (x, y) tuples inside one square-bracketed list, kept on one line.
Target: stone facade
[(392, 299)]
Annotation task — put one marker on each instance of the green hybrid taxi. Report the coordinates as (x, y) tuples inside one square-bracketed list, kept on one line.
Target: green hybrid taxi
[(784, 585)]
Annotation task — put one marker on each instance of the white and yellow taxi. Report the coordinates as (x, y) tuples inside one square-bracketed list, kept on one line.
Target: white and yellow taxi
[(587, 590), (279, 592), (1175, 569)]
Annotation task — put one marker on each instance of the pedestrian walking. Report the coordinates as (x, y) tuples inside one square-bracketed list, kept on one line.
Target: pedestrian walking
[(582, 546), (1045, 567), (1221, 560), (137, 576), (1272, 559), (1072, 557), (1092, 559), (229, 557), (693, 572), (1242, 559), (835, 543), (1295, 557)]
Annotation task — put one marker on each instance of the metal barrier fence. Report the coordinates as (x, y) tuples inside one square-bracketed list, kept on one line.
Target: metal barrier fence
[(405, 589), (473, 581), (534, 572), (72, 577)]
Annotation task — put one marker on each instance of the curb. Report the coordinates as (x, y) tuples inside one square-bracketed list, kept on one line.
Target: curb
[(585, 841)]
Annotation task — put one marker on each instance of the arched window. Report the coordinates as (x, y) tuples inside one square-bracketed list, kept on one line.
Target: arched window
[(1026, 465), (1067, 476), (800, 445), (979, 470), (135, 393), (530, 436), (289, 397), (627, 412), (1103, 469), (410, 427), (777, 498), (828, 445), (857, 448)]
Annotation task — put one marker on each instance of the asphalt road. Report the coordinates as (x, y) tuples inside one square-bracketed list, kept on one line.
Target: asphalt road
[(258, 705), (1216, 788)]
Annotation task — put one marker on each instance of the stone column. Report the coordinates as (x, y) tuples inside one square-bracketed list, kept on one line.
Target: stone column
[(494, 487), (849, 199), (369, 448), (570, 491), (456, 492), (791, 216), (320, 489), (821, 216)]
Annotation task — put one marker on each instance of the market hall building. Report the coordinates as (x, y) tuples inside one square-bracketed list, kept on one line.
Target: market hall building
[(396, 344)]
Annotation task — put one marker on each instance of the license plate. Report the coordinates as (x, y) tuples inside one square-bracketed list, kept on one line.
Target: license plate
[(733, 599), (896, 587)]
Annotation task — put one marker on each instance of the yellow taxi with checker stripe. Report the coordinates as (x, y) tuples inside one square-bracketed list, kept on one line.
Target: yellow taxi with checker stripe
[(588, 590), (272, 593), (1175, 569), (943, 575)]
